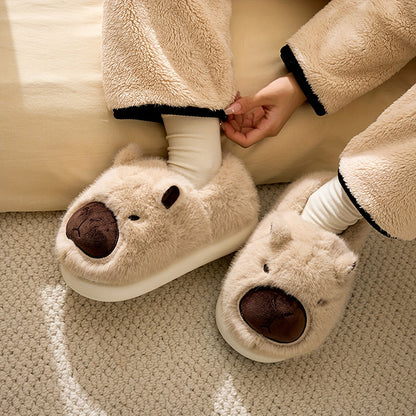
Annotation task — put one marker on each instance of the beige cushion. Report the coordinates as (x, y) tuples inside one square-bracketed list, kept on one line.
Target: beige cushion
[(56, 134)]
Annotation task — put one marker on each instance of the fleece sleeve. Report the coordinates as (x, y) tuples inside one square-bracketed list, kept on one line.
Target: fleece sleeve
[(378, 170), (349, 48)]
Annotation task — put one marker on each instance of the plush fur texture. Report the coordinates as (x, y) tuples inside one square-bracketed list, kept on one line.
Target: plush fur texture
[(154, 233), (350, 47), (379, 169), (303, 260), (345, 50), (163, 52)]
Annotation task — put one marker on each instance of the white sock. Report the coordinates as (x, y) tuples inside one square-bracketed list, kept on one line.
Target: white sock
[(330, 208), (194, 147)]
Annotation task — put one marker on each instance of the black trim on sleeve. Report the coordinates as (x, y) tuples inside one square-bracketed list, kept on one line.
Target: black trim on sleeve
[(153, 112), (362, 211), (293, 66)]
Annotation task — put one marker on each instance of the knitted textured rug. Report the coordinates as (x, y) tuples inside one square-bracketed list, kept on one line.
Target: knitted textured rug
[(161, 354)]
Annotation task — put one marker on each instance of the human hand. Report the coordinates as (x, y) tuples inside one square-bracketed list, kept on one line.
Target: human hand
[(252, 118)]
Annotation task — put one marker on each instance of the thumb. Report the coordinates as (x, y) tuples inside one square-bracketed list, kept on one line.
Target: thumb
[(243, 105)]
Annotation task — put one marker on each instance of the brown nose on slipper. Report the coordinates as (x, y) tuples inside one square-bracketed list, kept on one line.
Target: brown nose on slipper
[(93, 229), (273, 314)]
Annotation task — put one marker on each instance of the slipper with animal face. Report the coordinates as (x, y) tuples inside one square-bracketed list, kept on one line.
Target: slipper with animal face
[(141, 225), (289, 285)]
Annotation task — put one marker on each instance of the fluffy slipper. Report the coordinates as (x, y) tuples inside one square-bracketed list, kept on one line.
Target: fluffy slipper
[(141, 225), (288, 287)]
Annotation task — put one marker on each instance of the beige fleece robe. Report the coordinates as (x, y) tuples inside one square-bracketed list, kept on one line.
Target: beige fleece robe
[(167, 57), (344, 51)]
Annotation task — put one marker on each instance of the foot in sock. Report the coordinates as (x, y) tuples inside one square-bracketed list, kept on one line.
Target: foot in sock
[(141, 225), (194, 147), (288, 287)]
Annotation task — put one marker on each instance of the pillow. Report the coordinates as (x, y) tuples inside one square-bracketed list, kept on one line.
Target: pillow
[(57, 136)]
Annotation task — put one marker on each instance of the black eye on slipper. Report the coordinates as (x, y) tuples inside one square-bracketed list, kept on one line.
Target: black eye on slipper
[(266, 268), (134, 217)]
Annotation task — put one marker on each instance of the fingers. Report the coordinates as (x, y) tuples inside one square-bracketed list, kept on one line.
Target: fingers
[(247, 139), (233, 134), (254, 136), (229, 130), (245, 136), (258, 114), (248, 128), (269, 95), (244, 105), (252, 118)]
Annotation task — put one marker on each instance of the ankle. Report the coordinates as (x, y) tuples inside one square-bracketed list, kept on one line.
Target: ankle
[(194, 147), (330, 208)]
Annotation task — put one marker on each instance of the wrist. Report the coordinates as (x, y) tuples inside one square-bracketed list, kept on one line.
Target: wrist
[(284, 90), (298, 97)]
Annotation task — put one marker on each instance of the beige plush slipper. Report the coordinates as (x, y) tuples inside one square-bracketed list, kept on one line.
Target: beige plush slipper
[(288, 287), (141, 225)]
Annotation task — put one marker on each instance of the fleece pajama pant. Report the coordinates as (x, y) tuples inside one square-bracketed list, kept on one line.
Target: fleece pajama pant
[(175, 57)]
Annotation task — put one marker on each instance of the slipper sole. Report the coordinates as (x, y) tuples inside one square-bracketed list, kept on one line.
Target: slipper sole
[(111, 293)]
